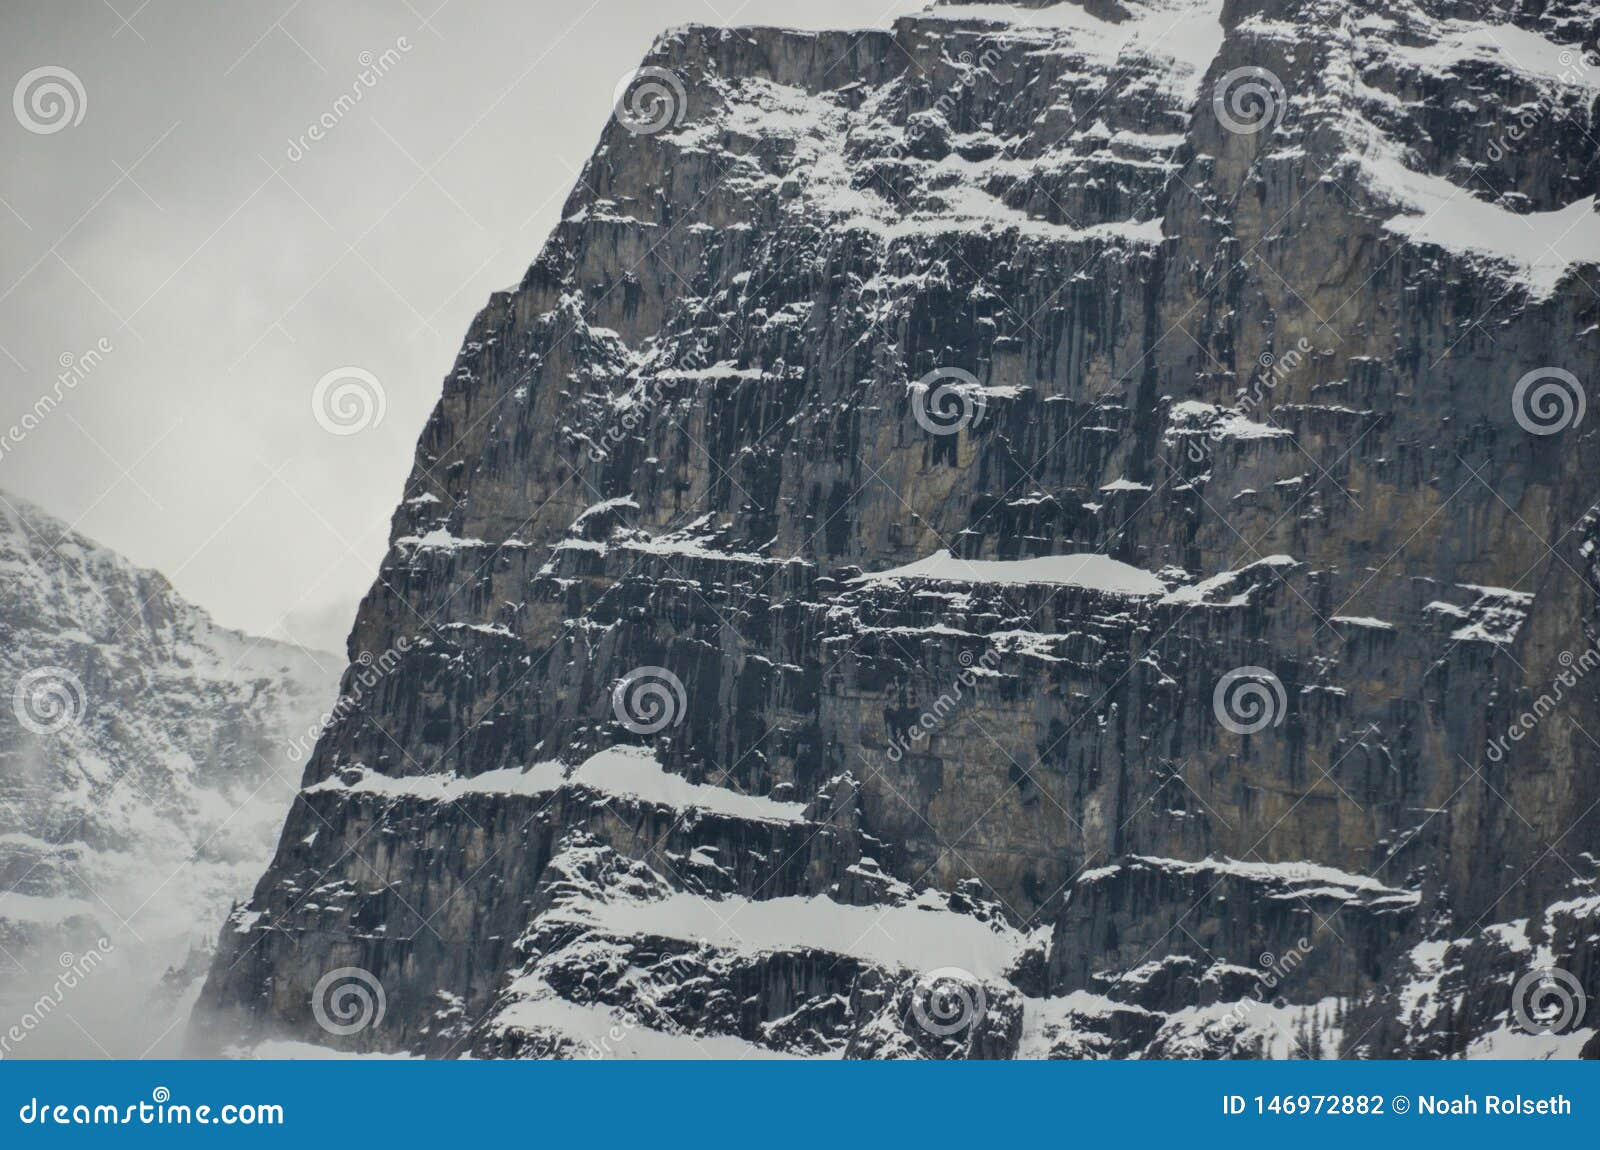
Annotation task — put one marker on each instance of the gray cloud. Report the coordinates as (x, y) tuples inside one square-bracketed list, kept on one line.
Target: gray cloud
[(228, 262)]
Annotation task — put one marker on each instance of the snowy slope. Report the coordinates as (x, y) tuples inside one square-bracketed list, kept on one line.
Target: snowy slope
[(145, 759)]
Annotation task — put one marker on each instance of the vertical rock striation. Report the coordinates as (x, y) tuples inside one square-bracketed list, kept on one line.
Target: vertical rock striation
[(1017, 535)]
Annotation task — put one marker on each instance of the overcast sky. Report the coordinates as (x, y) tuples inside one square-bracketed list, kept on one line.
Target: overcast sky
[(172, 230)]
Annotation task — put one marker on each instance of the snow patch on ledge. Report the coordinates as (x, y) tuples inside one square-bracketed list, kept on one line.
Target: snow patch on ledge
[(1087, 569), (827, 186), (1366, 621), (289, 1050), (601, 1032), (438, 540), (921, 935), (1210, 592), (1507, 46), (626, 772), (1186, 32), (1081, 1025), (1192, 417), (1511, 1043), (1496, 616), (1539, 248), (1322, 881)]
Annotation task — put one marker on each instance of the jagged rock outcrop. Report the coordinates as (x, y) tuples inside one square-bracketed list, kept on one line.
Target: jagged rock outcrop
[(1023, 534), (147, 757)]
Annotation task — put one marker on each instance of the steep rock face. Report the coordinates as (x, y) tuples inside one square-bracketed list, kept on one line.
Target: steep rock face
[(1055, 477), (147, 757)]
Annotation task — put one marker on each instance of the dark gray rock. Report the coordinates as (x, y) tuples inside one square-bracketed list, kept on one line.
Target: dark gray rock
[(1235, 365)]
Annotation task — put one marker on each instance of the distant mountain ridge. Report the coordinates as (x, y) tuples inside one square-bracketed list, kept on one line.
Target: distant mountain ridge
[(147, 754)]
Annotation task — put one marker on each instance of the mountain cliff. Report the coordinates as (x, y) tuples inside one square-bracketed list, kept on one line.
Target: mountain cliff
[(1053, 530), (147, 757)]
